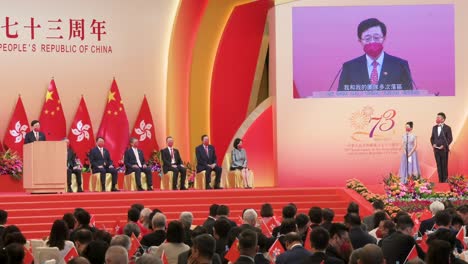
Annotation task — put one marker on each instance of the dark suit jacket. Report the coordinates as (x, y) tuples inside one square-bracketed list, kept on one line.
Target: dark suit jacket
[(260, 259), (153, 239), (130, 159), (360, 238), (71, 159), (244, 260), (235, 231), (318, 257), (426, 225), (96, 159), (444, 139), (393, 71), (295, 255), (368, 221), (209, 224), (397, 246), (29, 137), (202, 159), (166, 158), (183, 258)]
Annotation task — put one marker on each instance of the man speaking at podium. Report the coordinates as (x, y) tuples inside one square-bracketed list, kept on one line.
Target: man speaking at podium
[(375, 70), (35, 134)]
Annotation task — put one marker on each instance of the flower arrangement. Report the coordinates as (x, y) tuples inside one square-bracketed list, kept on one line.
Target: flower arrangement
[(191, 172), (86, 167), (415, 188), (458, 185), (155, 162), (11, 164)]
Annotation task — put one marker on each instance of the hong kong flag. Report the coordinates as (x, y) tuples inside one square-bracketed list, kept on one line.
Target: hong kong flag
[(52, 118), (275, 250), (17, 129), (114, 124), (144, 131), (81, 134)]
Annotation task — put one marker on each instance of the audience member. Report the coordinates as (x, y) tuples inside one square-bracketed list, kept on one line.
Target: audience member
[(102, 235), (203, 249), (221, 231), (319, 240), (149, 259), (339, 245), (315, 216), (116, 255), (249, 219), (368, 221), (439, 252), (371, 254), (295, 250), (144, 218), (83, 219), (386, 228), (198, 231), (59, 237), (131, 228), (209, 222), (174, 243), (14, 253), (328, 215), (358, 237), (462, 211), (428, 224), (159, 232), (302, 223), (288, 212), (248, 242), (186, 218), (223, 212), (121, 240), (95, 252), (78, 260), (69, 218), (3, 221), (82, 239)]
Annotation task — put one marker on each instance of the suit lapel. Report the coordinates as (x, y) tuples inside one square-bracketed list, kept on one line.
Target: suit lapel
[(363, 73)]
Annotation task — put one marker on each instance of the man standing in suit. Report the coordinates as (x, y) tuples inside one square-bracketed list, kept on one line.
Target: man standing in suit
[(35, 134), (172, 162), (247, 247), (135, 162), (319, 240), (441, 139), (295, 251), (101, 162), (375, 70), (207, 161), (72, 168)]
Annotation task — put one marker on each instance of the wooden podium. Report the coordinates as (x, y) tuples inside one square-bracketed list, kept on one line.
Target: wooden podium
[(44, 166)]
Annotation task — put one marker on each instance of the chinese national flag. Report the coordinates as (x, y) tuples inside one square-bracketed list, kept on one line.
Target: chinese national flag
[(135, 246), (164, 258), (17, 129), (72, 253), (307, 244), (144, 131), (233, 253), (92, 221), (412, 254), (425, 215), (28, 256), (81, 134), (114, 124), (275, 250), (423, 243), (461, 236), (52, 118)]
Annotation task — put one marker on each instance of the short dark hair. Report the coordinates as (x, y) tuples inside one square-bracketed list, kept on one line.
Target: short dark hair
[(175, 232), (69, 218), (353, 219), (133, 214), (266, 210), (370, 23), (82, 217), (84, 236), (338, 229), (319, 238), (138, 206), (95, 251), (457, 220), (205, 245), (288, 225), (98, 138), (199, 230), (293, 237), (289, 211), (102, 235), (443, 218), (214, 210), (14, 237), (463, 209), (167, 138), (301, 220), (328, 214), (353, 208), (404, 221), (132, 139), (379, 204), (15, 253), (58, 234), (248, 239), (442, 114), (410, 124), (236, 142), (443, 234), (34, 122), (203, 136), (439, 251), (379, 216), (390, 225), (222, 210), (3, 217), (315, 215), (222, 227)]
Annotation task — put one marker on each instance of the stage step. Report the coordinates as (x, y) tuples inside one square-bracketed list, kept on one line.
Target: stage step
[(34, 214)]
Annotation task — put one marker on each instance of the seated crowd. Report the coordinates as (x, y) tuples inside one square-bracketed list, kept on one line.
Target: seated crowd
[(148, 237)]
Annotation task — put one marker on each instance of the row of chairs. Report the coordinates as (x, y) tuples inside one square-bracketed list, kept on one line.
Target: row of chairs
[(44, 254)]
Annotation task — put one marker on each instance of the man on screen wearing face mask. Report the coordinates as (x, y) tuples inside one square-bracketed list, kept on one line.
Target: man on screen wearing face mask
[(376, 69), (101, 163), (173, 162), (35, 134), (441, 138)]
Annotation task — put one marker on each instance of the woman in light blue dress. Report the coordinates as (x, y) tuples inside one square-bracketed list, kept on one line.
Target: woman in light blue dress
[(409, 160)]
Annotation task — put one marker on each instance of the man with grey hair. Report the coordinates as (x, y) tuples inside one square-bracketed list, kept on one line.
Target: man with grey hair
[(72, 168), (371, 254), (249, 218), (121, 240), (131, 228), (428, 224), (135, 163), (159, 231), (116, 255), (144, 217), (186, 218)]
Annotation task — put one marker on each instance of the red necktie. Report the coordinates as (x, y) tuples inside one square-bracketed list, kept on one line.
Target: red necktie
[(374, 77)]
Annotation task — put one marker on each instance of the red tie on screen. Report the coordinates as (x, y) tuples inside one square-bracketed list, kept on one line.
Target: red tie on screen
[(374, 77)]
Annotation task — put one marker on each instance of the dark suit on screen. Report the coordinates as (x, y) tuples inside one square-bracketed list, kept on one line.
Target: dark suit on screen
[(441, 155), (31, 137), (97, 159), (393, 71), (71, 164), (203, 160), (166, 156), (130, 160)]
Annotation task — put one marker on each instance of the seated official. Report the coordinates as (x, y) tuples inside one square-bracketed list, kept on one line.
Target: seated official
[(101, 162), (239, 161), (72, 168), (172, 162), (35, 134), (207, 161), (135, 163)]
